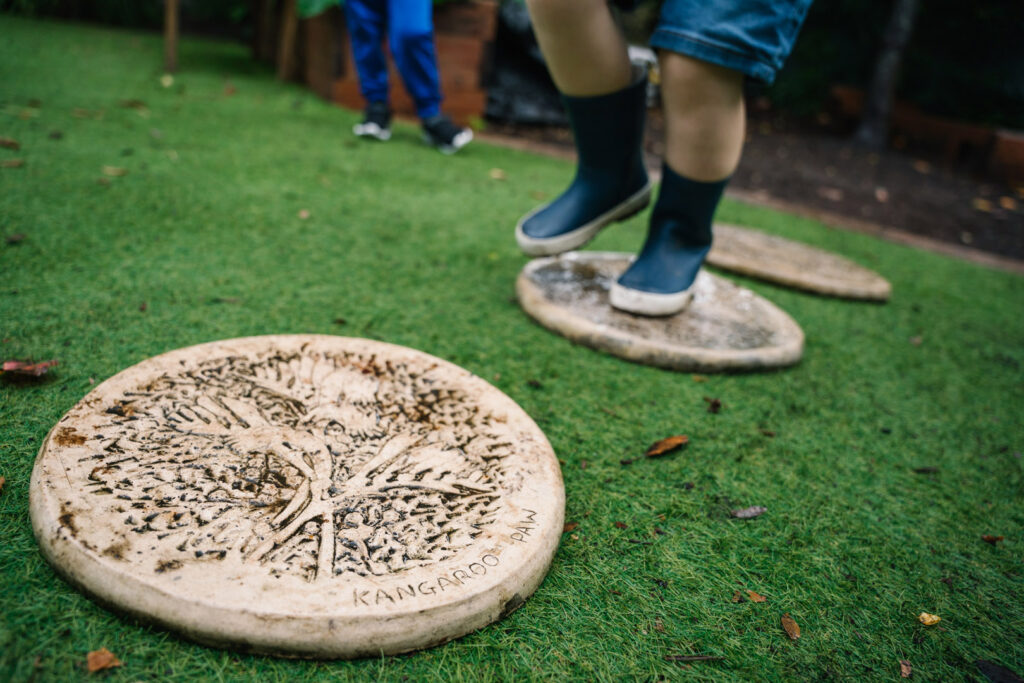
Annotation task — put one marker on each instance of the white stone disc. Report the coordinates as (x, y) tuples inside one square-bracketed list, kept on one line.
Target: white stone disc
[(304, 495), (725, 327), (793, 264)]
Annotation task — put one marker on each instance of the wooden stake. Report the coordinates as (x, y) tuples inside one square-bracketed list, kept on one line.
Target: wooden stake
[(170, 36), (286, 51)]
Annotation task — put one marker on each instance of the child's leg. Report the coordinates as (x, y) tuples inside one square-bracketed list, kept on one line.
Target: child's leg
[(704, 117), (588, 60), (366, 21), (411, 36), (583, 47)]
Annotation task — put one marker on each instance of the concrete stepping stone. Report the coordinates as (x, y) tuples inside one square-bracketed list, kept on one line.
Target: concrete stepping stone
[(304, 495), (726, 327), (793, 264)]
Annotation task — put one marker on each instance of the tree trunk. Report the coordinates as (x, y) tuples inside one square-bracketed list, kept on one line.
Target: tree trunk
[(874, 125)]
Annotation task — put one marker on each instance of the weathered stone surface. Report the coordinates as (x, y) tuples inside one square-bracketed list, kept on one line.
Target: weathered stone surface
[(785, 262), (725, 327), (308, 496)]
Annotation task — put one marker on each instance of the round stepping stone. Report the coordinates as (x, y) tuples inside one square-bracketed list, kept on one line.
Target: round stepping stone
[(308, 496), (793, 264), (725, 327)]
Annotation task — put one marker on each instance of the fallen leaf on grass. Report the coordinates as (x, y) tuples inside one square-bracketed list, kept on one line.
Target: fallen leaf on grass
[(16, 238), (229, 89), (15, 367), (12, 163), (750, 512), (659, 626), (55, 135), (620, 525), (667, 445), (997, 673), (3, 480), (928, 619), (916, 341), (303, 214), (791, 627), (571, 526), (8, 143), (714, 404), (905, 670), (101, 659), (133, 104), (738, 597), (114, 171), (769, 433), (699, 378), (991, 539), (496, 174), (340, 321), (143, 306), (692, 658), (756, 597)]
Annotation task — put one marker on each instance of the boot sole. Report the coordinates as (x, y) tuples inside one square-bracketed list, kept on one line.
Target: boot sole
[(649, 303), (549, 246)]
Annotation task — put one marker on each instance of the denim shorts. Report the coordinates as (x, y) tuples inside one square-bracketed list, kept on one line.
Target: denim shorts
[(753, 37)]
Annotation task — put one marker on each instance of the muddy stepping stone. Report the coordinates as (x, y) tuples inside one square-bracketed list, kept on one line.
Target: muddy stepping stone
[(794, 264), (726, 327), (306, 496)]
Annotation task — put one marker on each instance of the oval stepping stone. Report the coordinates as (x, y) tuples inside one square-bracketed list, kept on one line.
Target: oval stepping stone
[(726, 327), (793, 264), (307, 496)]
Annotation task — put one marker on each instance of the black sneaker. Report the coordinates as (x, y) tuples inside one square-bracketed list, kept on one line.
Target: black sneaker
[(440, 132), (376, 122)]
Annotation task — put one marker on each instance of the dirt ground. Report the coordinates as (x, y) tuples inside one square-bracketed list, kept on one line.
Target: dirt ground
[(814, 164)]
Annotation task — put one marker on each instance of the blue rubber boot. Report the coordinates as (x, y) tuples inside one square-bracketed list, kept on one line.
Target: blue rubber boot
[(611, 182), (659, 280)]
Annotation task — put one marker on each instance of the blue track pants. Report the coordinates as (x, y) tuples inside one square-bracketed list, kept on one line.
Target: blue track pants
[(410, 31)]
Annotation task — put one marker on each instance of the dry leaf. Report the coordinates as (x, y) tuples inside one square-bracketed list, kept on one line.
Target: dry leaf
[(991, 539), (114, 171), (1008, 203), (12, 163), (769, 433), (304, 214), (571, 526), (750, 512), (496, 174), (833, 194), (756, 597), (3, 480), (659, 626), (133, 104), (916, 341), (15, 367), (699, 378), (8, 143), (981, 204), (230, 89), (16, 238), (738, 597), (667, 445), (101, 659), (905, 670), (928, 619), (714, 404), (620, 525), (791, 627)]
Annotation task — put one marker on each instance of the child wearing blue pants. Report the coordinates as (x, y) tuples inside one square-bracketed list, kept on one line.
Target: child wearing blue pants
[(706, 49), (410, 32)]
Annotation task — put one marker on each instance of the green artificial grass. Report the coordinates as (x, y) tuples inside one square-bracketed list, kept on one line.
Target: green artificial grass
[(203, 232)]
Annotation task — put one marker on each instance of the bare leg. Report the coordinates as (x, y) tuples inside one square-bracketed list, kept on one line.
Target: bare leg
[(704, 117), (582, 45)]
